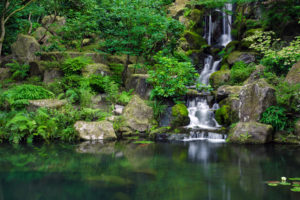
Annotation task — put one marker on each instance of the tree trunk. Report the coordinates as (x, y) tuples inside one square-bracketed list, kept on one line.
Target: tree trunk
[(2, 34)]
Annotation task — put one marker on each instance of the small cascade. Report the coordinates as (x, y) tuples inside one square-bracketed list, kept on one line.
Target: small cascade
[(200, 112)]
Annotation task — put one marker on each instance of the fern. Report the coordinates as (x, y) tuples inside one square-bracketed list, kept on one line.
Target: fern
[(275, 116), (19, 71)]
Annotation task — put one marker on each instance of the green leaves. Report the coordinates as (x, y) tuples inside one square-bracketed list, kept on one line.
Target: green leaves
[(170, 76), (275, 116), (75, 65)]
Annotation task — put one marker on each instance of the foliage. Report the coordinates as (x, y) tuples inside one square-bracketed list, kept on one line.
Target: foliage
[(204, 88), (19, 71), (288, 95), (158, 108), (239, 72), (75, 65), (169, 77), (19, 95), (277, 59), (137, 27), (275, 116)]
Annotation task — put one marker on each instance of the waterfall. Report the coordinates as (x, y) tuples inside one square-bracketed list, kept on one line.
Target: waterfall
[(200, 113)]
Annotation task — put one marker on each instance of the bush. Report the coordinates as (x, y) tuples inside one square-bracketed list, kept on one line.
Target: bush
[(288, 95), (239, 72), (19, 71), (170, 77), (275, 116), (75, 65)]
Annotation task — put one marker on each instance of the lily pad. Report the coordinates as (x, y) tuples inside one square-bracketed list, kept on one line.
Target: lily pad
[(272, 184), (143, 142), (295, 189), (284, 183), (295, 179)]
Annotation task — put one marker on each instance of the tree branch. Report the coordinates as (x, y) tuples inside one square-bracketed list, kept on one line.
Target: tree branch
[(17, 10)]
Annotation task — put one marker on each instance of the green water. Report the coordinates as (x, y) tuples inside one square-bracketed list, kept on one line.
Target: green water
[(120, 170)]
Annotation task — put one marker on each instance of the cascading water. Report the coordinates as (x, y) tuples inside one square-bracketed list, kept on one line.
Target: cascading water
[(200, 113)]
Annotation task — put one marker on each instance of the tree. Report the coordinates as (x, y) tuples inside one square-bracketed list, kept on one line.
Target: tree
[(8, 9), (137, 28)]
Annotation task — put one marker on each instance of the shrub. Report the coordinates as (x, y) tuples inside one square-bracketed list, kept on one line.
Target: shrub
[(170, 77), (288, 95), (75, 65), (239, 72), (158, 108), (275, 116), (19, 71)]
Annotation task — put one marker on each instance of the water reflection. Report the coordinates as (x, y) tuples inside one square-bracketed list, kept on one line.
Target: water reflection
[(122, 170)]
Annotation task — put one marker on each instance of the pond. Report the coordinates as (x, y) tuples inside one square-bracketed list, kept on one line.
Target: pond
[(123, 170)]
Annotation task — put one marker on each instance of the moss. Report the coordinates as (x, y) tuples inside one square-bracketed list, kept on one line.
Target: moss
[(224, 67), (195, 40), (223, 116), (219, 78), (190, 52), (180, 116)]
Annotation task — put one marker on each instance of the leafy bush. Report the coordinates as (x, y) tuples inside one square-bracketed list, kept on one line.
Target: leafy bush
[(288, 95), (278, 57), (275, 116), (158, 108), (19, 71), (19, 95), (74, 65), (170, 77), (239, 72)]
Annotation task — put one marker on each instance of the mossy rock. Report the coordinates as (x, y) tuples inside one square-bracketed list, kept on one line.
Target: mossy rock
[(195, 40), (237, 56), (180, 116), (219, 78), (222, 115)]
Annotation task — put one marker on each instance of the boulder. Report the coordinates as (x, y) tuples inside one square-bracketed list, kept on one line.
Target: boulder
[(293, 77), (36, 69), (236, 56), (229, 110), (227, 90), (51, 75), (98, 68), (250, 133), (259, 70), (53, 24), (255, 98), (138, 114), (25, 48), (219, 78), (118, 110), (138, 82), (46, 103), (42, 34), (132, 69), (180, 116), (195, 40), (177, 8), (102, 130), (4, 73)]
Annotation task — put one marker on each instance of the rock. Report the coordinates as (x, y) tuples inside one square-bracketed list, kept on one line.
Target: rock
[(177, 8), (180, 116), (138, 82), (4, 73), (39, 34), (195, 40), (46, 103), (118, 110), (97, 147), (138, 114), (86, 41), (219, 78), (236, 56), (99, 68), (250, 133), (229, 107), (102, 130), (255, 98), (297, 128), (25, 48), (36, 69), (223, 115), (51, 75), (293, 77), (54, 25), (283, 137), (132, 69), (259, 70), (227, 90), (158, 131)]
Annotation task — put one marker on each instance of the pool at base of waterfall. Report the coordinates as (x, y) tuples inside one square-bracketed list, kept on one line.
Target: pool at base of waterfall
[(166, 171)]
